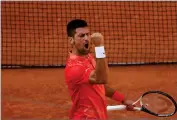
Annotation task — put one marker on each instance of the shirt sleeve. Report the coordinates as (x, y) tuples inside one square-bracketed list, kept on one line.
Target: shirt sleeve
[(77, 74)]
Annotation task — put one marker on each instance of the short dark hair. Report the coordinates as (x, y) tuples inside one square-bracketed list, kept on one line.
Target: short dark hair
[(72, 25)]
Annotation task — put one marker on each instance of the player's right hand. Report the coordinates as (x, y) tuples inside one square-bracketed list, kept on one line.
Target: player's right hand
[(97, 39), (129, 104)]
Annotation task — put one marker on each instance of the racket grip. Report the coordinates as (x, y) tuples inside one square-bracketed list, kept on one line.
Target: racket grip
[(120, 107), (116, 107), (137, 108)]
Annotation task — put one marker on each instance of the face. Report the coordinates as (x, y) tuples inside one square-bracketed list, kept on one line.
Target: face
[(81, 41)]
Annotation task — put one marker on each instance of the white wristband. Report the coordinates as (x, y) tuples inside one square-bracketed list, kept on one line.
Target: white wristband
[(100, 52)]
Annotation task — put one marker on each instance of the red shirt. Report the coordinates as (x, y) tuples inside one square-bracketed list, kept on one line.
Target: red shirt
[(89, 101)]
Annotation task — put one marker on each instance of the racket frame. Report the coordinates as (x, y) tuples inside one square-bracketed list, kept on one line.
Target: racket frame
[(143, 108)]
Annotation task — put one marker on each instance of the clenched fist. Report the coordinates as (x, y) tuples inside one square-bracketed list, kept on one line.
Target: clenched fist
[(97, 39)]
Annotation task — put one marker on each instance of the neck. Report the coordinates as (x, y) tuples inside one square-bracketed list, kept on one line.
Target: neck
[(76, 52)]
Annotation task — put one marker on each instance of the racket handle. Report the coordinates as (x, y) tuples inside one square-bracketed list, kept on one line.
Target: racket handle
[(137, 108), (120, 107), (116, 107)]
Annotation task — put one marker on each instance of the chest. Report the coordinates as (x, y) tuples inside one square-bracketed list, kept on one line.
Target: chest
[(88, 63), (91, 63)]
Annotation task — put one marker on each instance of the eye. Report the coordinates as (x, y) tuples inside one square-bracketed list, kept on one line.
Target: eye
[(82, 35)]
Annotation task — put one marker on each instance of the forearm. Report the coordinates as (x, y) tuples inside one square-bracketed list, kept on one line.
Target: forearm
[(101, 69), (109, 91), (113, 94)]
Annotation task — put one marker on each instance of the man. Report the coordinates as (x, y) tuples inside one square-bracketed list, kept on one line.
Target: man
[(86, 78)]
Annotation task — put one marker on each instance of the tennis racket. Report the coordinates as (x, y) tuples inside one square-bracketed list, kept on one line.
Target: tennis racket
[(156, 103)]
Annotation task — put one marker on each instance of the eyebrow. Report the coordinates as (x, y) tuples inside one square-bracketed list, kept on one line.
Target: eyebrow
[(83, 33)]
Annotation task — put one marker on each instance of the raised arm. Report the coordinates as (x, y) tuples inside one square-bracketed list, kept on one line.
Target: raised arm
[(100, 74)]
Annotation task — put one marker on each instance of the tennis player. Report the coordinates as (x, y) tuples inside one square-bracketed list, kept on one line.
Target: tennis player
[(86, 78)]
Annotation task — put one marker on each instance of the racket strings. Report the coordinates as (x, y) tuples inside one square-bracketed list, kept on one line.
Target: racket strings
[(136, 101), (158, 103)]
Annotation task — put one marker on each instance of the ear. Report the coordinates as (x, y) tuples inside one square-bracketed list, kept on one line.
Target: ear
[(71, 40)]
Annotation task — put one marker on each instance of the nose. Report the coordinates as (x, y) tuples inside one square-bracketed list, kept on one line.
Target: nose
[(86, 37)]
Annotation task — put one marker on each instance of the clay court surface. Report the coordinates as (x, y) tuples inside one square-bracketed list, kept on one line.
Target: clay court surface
[(41, 94), (34, 33)]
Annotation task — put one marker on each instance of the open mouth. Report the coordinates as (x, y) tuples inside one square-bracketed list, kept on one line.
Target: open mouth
[(86, 45)]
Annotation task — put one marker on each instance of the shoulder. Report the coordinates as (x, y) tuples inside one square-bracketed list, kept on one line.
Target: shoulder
[(74, 67), (91, 55)]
